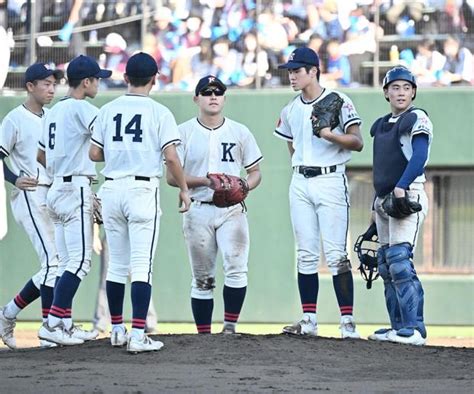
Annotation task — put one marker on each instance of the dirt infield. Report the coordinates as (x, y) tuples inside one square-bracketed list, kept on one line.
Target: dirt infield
[(245, 363)]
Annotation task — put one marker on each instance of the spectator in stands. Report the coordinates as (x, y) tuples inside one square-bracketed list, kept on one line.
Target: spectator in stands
[(253, 64), (116, 58), (458, 66), (338, 68), (226, 61), (428, 64)]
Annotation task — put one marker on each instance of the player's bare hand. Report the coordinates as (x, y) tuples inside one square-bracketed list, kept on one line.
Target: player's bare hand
[(26, 183), (184, 201), (399, 192), (326, 133)]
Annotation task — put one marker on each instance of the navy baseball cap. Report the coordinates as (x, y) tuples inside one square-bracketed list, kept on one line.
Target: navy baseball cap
[(85, 67), (301, 57), (39, 71), (141, 65), (209, 80)]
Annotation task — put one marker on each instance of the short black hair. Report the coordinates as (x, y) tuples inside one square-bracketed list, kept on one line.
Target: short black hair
[(137, 82), (308, 69), (74, 83)]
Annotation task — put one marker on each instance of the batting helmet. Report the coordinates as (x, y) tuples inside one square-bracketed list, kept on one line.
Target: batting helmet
[(399, 73), (366, 248)]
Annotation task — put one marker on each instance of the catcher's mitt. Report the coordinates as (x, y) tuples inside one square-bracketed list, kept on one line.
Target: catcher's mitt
[(400, 207), (326, 113), (228, 189), (97, 209)]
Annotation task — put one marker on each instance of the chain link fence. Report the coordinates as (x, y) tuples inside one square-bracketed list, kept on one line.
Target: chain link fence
[(243, 41)]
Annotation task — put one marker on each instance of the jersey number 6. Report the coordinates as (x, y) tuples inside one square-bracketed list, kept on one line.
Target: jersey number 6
[(132, 127)]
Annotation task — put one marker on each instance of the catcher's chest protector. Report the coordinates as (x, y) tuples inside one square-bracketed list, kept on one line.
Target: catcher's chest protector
[(389, 160)]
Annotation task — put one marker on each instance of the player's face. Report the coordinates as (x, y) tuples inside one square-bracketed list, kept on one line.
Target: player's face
[(211, 100), (300, 78), (400, 95), (91, 87), (43, 90)]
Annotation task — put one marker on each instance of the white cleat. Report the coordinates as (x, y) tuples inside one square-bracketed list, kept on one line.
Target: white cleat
[(58, 335), (118, 337), (46, 344), (304, 327), (348, 328), (416, 339), (381, 335), (79, 333), (7, 326), (145, 344)]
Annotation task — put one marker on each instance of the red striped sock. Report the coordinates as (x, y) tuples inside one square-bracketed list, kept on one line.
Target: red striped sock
[(309, 308), (203, 328)]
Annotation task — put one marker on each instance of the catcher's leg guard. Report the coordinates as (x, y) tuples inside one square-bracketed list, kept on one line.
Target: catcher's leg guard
[(404, 276), (391, 300)]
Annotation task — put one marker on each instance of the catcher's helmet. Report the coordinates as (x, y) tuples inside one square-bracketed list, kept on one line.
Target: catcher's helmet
[(366, 248), (399, 73)]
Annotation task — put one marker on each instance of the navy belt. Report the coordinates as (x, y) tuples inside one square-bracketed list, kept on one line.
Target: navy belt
[(202, 202), (311, 172), (67, 178), (137, 178)]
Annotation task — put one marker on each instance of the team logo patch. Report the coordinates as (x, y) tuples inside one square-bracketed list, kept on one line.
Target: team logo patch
[(47, 67), (211, 79)]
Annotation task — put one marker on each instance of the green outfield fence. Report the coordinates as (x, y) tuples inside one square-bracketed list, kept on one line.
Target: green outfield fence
[(444, 257)]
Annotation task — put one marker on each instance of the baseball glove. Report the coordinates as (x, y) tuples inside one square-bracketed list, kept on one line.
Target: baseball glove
[(97, 209), (228, 189), (400, 207), (326, 113)]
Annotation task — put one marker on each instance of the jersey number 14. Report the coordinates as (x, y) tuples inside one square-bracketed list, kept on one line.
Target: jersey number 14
[(133, 127)]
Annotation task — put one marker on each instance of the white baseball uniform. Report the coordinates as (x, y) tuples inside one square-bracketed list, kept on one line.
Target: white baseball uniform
[(21, 129), (319, 205), (225, 149), (133, 131), (66, 140)]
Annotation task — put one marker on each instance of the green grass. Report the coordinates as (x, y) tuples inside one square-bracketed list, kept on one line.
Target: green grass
[(325, 330)]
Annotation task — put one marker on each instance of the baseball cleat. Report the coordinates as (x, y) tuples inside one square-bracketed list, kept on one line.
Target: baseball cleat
[(7, 327), (145, 344), (415, 339), (229, 329), (381, 335), (46, 344), (58, 335), (118, 337), (348, 328), (304, 327), (79, 333)]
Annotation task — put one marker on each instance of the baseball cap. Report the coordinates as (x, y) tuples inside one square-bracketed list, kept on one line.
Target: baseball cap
[(301, 57), (141, 65), (209, 80), (86, 67), (40, 71)]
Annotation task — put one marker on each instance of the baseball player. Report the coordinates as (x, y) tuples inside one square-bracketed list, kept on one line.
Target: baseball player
[(20, 131), (63, 149), (101, 314), (212, 143), (402, 142), (133, 133), (319, 196)]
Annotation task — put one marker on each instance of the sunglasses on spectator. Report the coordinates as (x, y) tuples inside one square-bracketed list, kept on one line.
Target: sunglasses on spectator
[(209, 92)]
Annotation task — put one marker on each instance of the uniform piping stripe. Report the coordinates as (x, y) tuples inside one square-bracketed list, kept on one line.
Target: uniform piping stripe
[(170, 142), (253, 163), (417, 224), (97, 142), (92, 121), (39, 235), (352, 121), (286, 137), (41, 144), (5, 152), (154, 232), (346, 193), (83, 237)]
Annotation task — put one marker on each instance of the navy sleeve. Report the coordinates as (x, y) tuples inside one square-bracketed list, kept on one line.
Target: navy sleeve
[(9, 176), (415, 166)]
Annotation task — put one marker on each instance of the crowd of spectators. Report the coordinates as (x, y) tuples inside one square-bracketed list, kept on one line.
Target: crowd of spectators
[(243, 47)]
